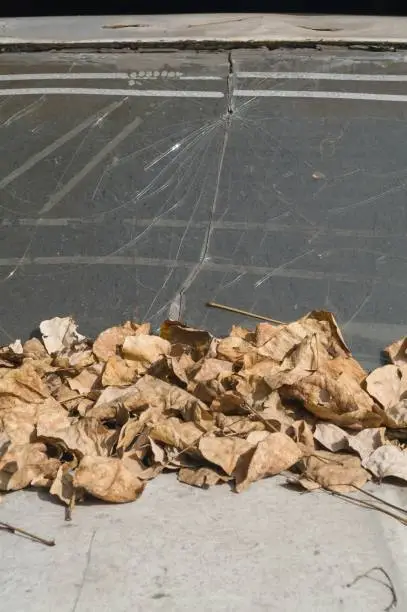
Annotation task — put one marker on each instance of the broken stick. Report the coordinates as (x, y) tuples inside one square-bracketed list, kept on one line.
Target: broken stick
[(27, 534), (246, 313)]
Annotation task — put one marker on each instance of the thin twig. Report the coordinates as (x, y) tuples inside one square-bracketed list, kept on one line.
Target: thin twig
[(366, 504), (389, 584), (69, 508), (268, 425), (27, 534), (379, 499), (244, 312)]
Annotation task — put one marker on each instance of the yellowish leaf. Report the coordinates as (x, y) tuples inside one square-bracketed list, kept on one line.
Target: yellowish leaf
[(203, 477), (110, 340), (336, 472), (384, 385), (62, 485), (145, 350), (276, 453), (118, 372), (23, 464), (109, 479), (224, 452), (175, 432), (178, 333)]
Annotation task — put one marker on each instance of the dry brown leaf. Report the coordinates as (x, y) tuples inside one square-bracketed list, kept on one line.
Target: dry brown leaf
[(397, 415), (276, 413), (224, 452), (241, 332), (264, 367), (62, 485), (59, 333), (254, 437), (129, 433), (324, 323), (283, 341), (210, 369), (23, 383), (331, 436), (384, 385), (335, 439), (334, 394), (109, 479), (309, 354), (119, 372), (175, 432), (336, 472), (18, 422), (203, 477), (24, 464), (233, 349), (317, 331), (80, 357), (173, 369), (85, 381), (11, 355), (387, 460), (150, 391), (397, 352), (301, 433), (367, 441), (276, 453), (265, 332), (144, 350), (34, 349), (83, 436), (239, 426), (110, 340), (4, 442), (177, 333)]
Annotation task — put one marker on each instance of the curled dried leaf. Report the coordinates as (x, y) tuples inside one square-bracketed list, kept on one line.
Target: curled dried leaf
[(119, 372), (59, 333), (111, 340), (175, 432), (272, 455), (384, 385), (145, 350), (203, 477), (397, 352), (387, 460), (26, 464), (109, 479), (336, 472), (177, 333), (224, 452)]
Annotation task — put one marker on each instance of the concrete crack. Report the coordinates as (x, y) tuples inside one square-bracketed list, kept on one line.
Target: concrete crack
[(231, 78), (177, 305)]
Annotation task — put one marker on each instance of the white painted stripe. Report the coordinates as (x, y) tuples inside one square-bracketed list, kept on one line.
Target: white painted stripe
[(334, 95), (92, 163), (82, 76), (59, 142), (124, 260), (323, 76), (145, 93)]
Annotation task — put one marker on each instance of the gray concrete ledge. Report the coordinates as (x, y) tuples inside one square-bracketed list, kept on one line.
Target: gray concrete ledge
[(204, 30)]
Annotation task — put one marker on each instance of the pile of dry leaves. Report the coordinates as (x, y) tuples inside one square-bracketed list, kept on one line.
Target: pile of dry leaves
[(104, 417)]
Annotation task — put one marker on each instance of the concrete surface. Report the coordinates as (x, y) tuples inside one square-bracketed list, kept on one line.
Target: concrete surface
[(143, 185), (227, 29)]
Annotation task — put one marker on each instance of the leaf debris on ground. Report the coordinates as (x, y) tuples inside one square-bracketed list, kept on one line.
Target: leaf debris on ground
[(102, 418)]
